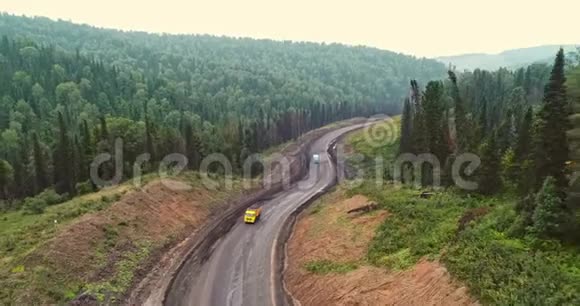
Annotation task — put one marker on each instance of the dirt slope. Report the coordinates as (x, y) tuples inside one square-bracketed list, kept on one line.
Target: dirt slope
[(102, 253), (326, 233)]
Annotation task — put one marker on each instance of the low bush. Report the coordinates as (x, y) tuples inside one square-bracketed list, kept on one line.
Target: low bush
[(7, 243), (84, 187), (327, 266), (51, 197), (34, 206)]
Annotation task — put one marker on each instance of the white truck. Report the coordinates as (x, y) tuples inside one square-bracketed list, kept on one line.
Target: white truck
[(316, 159)]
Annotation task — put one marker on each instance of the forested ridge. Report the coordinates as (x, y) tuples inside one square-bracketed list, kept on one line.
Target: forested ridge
[(67, 91)]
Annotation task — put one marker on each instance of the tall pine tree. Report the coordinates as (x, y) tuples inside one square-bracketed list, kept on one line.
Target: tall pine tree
[(461, 125), (63, 158), (434, 110), (405, 145), (555, 123), (39, 164), (489, 172)]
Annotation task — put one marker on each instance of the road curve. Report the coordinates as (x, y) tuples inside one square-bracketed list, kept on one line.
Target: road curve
[(241, 268)]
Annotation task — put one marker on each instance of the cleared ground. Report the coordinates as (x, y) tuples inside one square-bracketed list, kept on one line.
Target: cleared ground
[(327, 265)]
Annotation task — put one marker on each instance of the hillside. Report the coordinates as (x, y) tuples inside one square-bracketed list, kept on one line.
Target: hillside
[(511, 58), (68, 91)]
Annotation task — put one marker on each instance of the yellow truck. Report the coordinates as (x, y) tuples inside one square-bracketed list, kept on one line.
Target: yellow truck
[(252, 215)]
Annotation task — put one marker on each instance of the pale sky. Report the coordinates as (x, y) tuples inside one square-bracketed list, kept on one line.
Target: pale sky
[(418, 27)]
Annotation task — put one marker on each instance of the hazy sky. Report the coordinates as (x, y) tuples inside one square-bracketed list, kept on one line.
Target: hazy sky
[(419, 27)]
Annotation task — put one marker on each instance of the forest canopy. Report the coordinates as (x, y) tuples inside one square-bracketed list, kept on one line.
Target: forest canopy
[(67, 91)]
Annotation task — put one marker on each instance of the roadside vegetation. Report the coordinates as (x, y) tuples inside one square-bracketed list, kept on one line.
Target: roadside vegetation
[(380, 141), (514, 240), (472, 237)]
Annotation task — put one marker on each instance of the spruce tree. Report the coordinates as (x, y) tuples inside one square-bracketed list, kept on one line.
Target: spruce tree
[(104, 130), (6, 178), (149, 145), (524, 139), (550, 215), (483, 122), (489, 177), (63, 160), (405, 145), (524, 155), (554, 116), (88, 150), (461, 125), (419, 130), (192, 147), (574, 139), (79, 173), (434, 111), (39, 164)]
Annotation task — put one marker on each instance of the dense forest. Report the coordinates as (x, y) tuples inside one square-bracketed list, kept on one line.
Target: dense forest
[(522, 124), (68, 91)]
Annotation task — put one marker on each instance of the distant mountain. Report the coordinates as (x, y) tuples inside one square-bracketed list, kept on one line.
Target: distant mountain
[(510, 58)]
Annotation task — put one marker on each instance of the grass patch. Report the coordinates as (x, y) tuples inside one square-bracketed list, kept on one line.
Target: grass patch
[(21, 232), (416, 227), (368, 147), (326, 267), (110, 291)]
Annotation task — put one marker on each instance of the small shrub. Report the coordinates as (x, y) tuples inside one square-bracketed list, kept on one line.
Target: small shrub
[(34, 206), (84, 187), (50, 197), (470, 216), (549, 215), (327, 266), (18, 269), (398, 261), (315, 209), (518, 228), (111, 235), (8, 243)]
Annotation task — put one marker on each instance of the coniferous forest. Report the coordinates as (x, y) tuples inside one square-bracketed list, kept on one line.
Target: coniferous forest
[(522, 124), (68, 91)]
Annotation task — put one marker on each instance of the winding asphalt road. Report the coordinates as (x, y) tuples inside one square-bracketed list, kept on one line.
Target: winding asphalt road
[(241, 269)]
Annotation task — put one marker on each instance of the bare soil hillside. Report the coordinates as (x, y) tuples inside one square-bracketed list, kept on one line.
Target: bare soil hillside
[(104, 252), (326, 240)]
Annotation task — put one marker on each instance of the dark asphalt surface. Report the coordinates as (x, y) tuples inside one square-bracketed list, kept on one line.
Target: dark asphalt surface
[(241, 270)]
